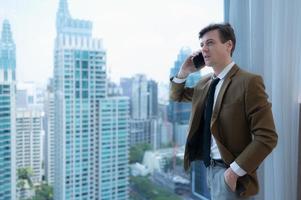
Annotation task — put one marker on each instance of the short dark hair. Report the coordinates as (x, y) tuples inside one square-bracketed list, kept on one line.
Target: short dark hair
[(225, 30)]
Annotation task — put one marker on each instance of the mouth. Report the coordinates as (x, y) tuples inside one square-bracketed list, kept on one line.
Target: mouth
[(206, 57)]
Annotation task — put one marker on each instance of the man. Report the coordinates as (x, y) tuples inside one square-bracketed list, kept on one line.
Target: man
[(231, 125)]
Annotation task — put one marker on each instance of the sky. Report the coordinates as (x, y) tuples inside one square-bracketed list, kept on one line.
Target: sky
[(139, 36)]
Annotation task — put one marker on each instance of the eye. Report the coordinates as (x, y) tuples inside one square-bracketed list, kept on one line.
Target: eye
[(209, 43)]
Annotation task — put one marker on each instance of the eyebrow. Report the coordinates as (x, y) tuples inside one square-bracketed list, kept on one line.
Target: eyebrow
[(207, 41)]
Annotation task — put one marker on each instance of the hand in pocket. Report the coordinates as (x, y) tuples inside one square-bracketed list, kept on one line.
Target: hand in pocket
[(231, 179)]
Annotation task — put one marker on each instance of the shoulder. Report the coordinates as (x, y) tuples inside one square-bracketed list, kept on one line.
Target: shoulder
[(246, 77), (251, 83)]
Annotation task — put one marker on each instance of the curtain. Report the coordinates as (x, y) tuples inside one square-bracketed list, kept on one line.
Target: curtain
[(269, 43)]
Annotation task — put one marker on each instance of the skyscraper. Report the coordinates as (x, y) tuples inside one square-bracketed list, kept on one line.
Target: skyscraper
[(139, 97), (79, 86), (29, 141), (126, 85), (152, 107), (140, 131), (30, 94), (114, 148), (91, 131), (7, 114), (144, 109), (143, 94)]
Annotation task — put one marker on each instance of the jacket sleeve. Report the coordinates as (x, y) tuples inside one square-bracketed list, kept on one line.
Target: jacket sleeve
[(178, 92), (261, 125)]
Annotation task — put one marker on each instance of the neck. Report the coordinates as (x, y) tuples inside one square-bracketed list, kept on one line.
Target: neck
[(219, 68)]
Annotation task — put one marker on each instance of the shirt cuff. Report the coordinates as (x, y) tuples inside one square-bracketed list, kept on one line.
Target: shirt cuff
[(178, 80), (237, 169)]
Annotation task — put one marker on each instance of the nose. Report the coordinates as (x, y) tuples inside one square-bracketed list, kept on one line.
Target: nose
[(204, 48)]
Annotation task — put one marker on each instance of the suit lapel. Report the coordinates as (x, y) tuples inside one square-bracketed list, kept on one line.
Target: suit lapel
[(221, 93), (199, 106)]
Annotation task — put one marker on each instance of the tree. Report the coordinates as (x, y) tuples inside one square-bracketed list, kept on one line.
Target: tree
[(169, 163), (167, 145), (24, 181), (137, 152), (145, 188), (43, 192)]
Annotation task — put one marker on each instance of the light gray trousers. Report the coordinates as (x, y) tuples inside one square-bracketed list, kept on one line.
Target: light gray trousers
[(218, 188)]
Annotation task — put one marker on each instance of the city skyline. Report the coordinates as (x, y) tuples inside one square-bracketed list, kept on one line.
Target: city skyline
[(86, 117), (143, 42)]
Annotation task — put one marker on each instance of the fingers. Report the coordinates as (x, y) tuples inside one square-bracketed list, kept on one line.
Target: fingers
[(196, 53), (230, 180)]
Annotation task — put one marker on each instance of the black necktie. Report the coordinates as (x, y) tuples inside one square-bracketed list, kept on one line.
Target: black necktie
[(206, 145)]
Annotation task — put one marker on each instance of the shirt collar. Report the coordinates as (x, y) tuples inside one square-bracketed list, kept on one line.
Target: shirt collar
[(225, 71)]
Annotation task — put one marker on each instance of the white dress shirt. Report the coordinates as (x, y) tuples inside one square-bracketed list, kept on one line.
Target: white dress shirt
[(214, 153)]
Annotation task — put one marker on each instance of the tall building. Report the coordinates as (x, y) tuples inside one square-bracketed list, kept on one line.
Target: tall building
[(49, 140), (113, 89), (29, 141), (140, 131), (7, 114), (114, 148), (21, 99), (139, 97), (143, 93), (152, 107), (165, 136), (91, 139), (152, 113), (29, 94), (79, 85), (126, 86)]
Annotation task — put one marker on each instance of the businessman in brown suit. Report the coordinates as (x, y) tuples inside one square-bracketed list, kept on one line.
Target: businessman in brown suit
[(231, 125)]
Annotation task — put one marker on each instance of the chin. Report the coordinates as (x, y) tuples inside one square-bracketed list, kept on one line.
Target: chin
[(208, 64)]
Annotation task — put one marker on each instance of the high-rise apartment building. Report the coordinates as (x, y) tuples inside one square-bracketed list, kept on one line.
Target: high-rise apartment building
[(144, 109), (139, 97), (79, 85), (114, 148), (7, 114), (152, 107), (29, 141), (80, 98)]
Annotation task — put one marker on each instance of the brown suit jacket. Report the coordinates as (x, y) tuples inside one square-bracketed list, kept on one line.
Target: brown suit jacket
[(242, 123)]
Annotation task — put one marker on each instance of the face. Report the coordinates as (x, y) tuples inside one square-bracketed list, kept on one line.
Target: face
[(216, 53)]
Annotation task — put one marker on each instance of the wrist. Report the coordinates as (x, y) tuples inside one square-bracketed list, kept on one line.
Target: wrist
[(182, 75), (233, 174)]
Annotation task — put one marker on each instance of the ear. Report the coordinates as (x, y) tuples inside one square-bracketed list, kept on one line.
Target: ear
[(229, 45)]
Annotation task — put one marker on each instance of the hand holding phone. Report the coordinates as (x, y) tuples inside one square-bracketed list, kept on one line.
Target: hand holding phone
[(198, 60), (193, 63)]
